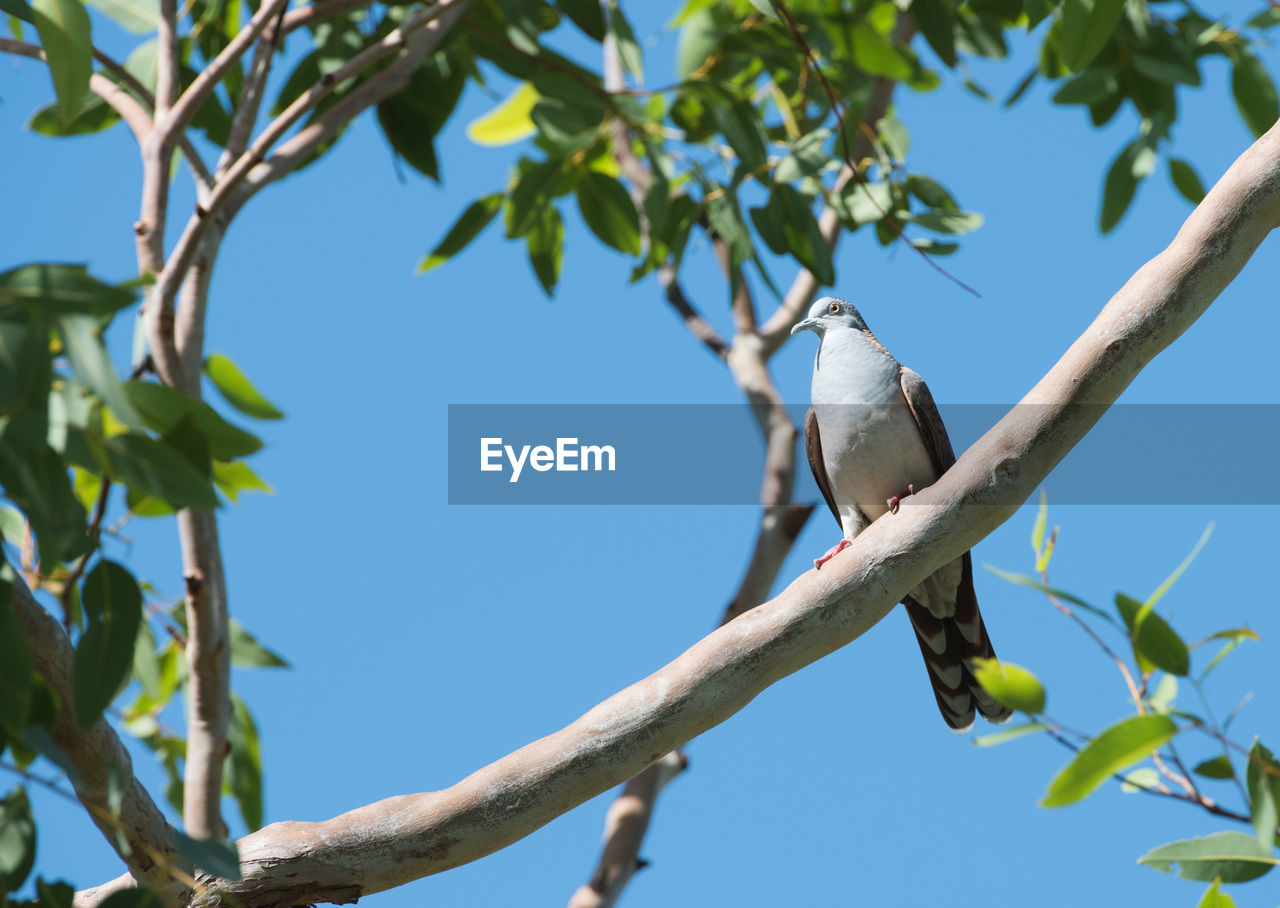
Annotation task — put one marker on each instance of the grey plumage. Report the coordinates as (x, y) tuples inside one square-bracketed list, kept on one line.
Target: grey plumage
[(874, 431)]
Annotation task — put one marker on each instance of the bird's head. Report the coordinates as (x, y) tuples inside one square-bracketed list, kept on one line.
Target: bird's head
[(828, 313)]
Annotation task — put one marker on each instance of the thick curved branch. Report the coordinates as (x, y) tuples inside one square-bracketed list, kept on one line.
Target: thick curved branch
[(400, 839), (93, 753)]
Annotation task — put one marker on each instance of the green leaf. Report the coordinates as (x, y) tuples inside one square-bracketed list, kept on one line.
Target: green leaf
[(163, 408), (936, 20), (807, 158), (1012, 685), (1212, 898), (699, 39), (17, 838), (1262, 780), (859, 203), (95, 116), (1166, 693), (1234, 638), (930, 191), (1090, 87), (214, 856), (1179, 570), (791, 217), (132, 898), (236, 477), (876, 55), (1170, 70), (104, 655), (64, 34), (237, 390), (942, 220), (586, 15), (61, 289), (247, 652), (1024, 580), (154, 468), (545, 244), (1087, 25), (413, 116), (20, 10), (244, 765), (81, 338), (628, 49), (1254, 92), (508, 122), (1232, 857), (532, 193), (608, 210), (1218, 768), (1008, 734), (1120, 746), (1186, 180), (895, 138), (137, 16), (35, 477), (1122, 183), (1155, 643), (741, 128), (1137, 779), (15, 663), (1037, 528)]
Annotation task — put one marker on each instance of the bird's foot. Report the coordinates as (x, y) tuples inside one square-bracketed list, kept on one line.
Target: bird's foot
[(831, 553), (897, 499)]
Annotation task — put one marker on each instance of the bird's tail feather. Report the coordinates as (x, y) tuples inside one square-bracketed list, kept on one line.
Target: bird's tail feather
[(948, 645)]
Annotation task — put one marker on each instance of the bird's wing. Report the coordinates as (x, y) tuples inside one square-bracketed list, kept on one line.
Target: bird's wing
[(813, 450), (925, 412)]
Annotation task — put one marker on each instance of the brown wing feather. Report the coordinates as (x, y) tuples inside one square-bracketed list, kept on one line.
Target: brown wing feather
[(813, 450), (962, 637)]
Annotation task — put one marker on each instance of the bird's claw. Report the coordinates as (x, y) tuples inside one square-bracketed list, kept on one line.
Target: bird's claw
[(831, 553), (897, 499)]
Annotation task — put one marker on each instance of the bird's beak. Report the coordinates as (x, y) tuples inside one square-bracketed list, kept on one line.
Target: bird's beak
[(808, 324)]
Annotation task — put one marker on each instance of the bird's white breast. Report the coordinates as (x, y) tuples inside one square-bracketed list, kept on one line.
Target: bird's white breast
[(871, 445)]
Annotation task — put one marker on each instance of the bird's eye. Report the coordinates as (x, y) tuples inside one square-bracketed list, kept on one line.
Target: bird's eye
[(833, 309)]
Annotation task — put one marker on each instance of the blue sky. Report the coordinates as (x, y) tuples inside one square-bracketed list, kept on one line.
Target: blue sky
[(428, 639)]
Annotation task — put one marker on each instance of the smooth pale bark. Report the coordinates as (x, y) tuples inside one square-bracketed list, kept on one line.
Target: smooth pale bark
[(400, 839)]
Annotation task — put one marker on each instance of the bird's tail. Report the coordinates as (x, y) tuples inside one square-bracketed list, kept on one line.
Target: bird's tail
[(948, 646)]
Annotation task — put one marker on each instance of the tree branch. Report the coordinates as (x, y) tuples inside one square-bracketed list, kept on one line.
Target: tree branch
[(391, 842), (94, 753), (625, 826), (185, 107)]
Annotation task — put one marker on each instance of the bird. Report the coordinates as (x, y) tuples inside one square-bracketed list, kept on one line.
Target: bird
[(873, 436)]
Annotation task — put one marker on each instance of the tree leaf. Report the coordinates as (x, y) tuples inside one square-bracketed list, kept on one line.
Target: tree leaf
[(741, 128), (1137, 779), (35, 477), (95, 116), (1024, 580), (545, 244), (413, 116), (585, 14), (236, 389), (1254, 92), (807, 158), (1262, 780), (104, 655), (699, 38), (1232, 857), (533, 192), (64, 27), (1234, 638), (19, 9), (507, 123), (942, 220), (1212, 898), (1179, 570), (154, 468), (81, 338), (132, 898), (1119, 188), (1008, 734), (936, 20), (244, 765), (1120, 746), (1186, 180), (62, 289), (236, 477), (1012, 685), (163, 408), (1217, 768), (140, 17), (215, 856), (17, 838), (608, 210), (1087, 25), (1155, 643)]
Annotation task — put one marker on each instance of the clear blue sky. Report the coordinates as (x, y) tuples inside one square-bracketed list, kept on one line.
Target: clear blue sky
[(428, 640)]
